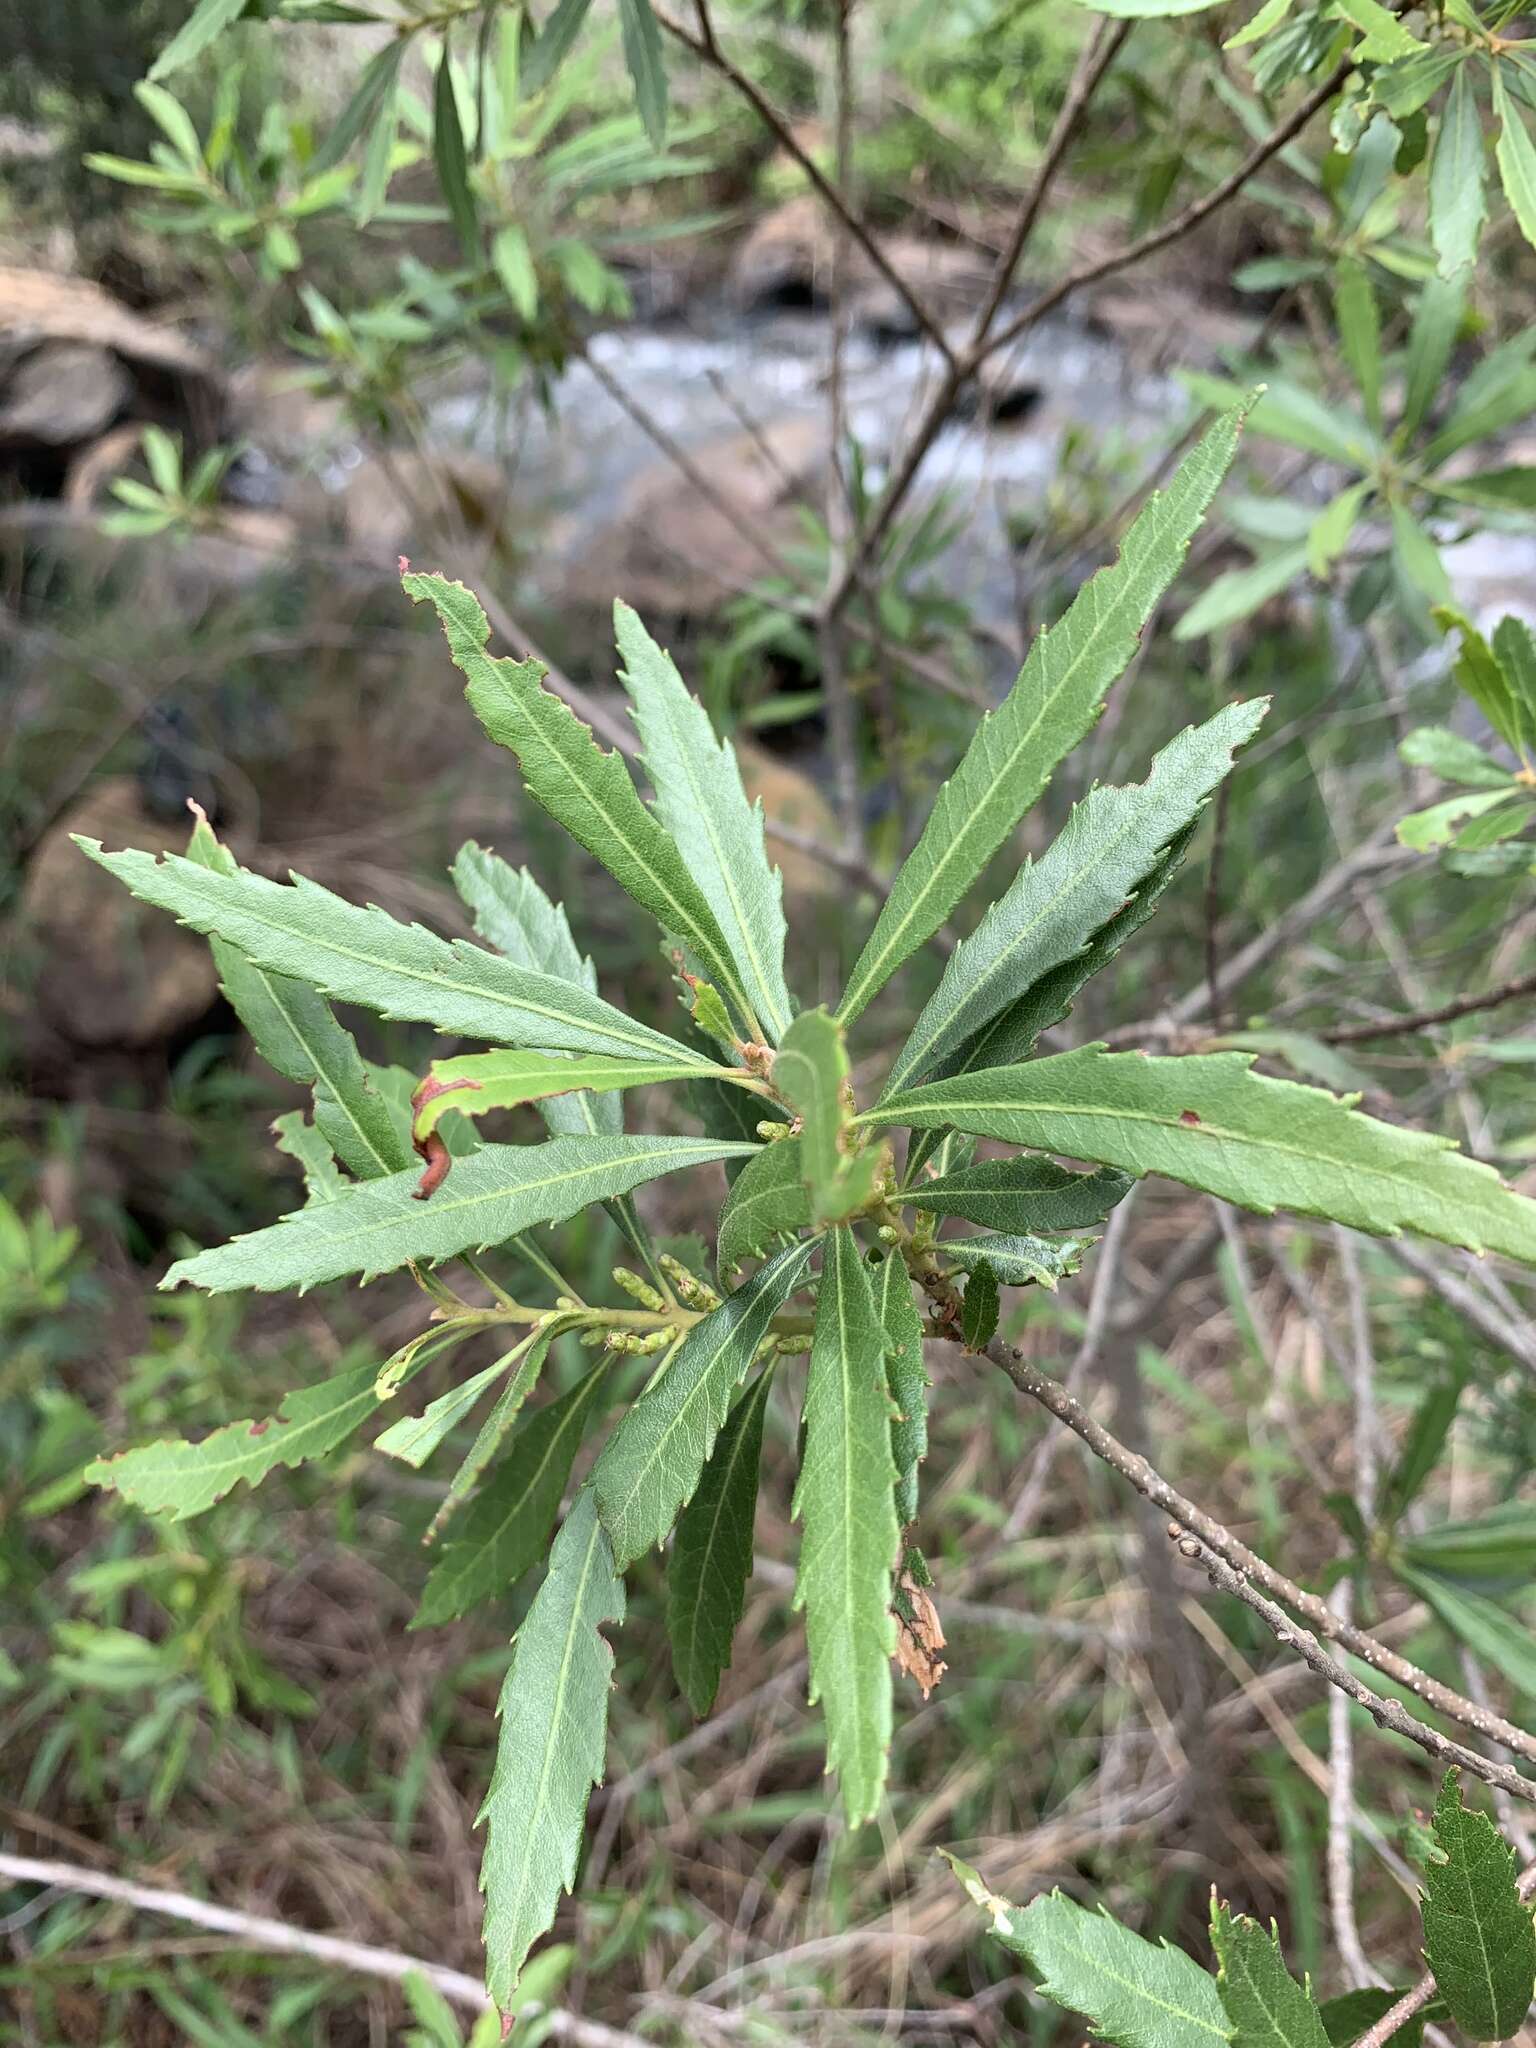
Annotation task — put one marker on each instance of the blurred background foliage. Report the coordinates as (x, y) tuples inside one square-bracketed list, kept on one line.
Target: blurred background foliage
[(242, 370)]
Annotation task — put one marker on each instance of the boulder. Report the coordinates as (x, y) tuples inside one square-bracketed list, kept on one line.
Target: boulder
[(63, 392), (112, 971), (669, 550), (786, 263)]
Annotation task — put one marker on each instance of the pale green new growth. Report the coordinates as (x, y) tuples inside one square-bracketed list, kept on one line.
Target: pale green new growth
[(1057, 697), (178, 1479), (414, 1438), (489, 1196), (811, 1073), (1478, 1937), (846, 1500), (549, 1754), (1209, 1121), (477, 1082), (701, 801)]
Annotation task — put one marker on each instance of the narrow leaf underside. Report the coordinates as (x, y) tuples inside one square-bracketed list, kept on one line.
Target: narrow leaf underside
[(702, 802), (365, 956), (1209, 1121), (711, 1558), (497, 1191)]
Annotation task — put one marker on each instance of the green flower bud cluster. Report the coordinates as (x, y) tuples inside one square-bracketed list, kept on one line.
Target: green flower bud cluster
[(693, 1292)]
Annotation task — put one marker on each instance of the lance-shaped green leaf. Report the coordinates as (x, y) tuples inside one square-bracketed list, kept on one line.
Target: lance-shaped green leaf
[(1267, 2007), (491, 1195), (1022, 1196), (1110, 843), (565, 770), (1436, 323), (768, 1201), (810, 1071), (178, 1479), (1496, 1550), (845, 1498), (646, 66), (1453, 758), (513, 914), (365, 956), (1478, 1938), (980, 1308), (711, 1557), (1133, 1992), (907, 1379), (297, 1136), (1209, 1121), (650, 1466), (549, 1755), (294, 1029), (1516, 156), (1457, 169), (701, 801), (1514, 648), (1439, 823), (477, 1082), (1482, 676), (1016, 1261), (208, 20), (1057, 697), (414, 1438), (507, 1526), (1010, 1037), (1488, 1630)]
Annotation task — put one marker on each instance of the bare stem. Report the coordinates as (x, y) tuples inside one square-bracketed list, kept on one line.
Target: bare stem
[(254, 1930), (1246, 1565), (706, 45)]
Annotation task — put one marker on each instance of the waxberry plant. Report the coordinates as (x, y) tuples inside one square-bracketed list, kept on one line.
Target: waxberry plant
[(833, 1239)]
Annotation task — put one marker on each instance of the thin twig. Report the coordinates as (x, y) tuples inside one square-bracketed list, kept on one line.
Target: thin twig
[(961, 370), (705, 44), (1421, 1020), (842, 523), (1467, 1300), (1052, 1395), (1386, 1713), (1100, 51), (256, 1931)]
